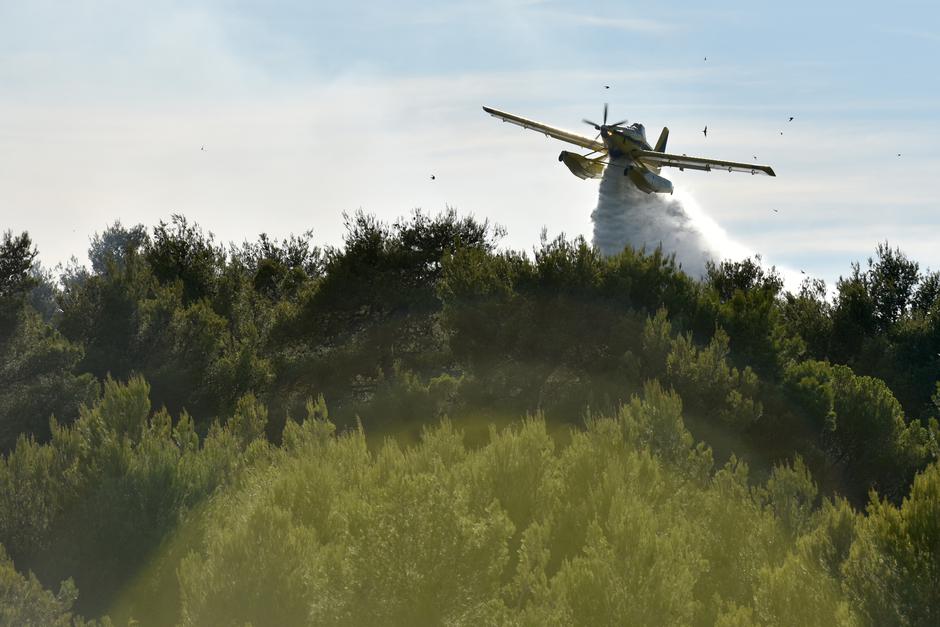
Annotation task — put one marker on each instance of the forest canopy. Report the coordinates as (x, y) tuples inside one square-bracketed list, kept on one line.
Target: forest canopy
[(421, 427)]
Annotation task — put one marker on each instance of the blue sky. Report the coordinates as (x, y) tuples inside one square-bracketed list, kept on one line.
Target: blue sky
[(309, 109)]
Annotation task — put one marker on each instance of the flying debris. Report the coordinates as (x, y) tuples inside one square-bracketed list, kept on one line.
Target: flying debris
[(626, 145), (899, 154), (791, 119), (433, 177), (203, 149), (706, 58), (705, 131), (606, 86), (775, 211)]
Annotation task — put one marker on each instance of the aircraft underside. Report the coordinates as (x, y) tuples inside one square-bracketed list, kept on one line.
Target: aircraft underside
[(619, 145), (645, 179)]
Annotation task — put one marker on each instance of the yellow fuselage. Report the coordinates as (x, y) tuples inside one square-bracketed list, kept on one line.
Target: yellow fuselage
[(620, 143)]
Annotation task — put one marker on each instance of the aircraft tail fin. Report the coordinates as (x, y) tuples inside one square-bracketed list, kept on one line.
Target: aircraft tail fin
[(661, 142)]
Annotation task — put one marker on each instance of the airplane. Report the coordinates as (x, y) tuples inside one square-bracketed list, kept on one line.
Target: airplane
[(626, 144)]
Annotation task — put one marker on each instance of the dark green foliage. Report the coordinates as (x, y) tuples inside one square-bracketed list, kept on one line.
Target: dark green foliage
[(101, 312), (886, 323), (180, 251), (16, 258), (692, 452), (860, 425), (278, 270), (853, 319), (745, 298), (95, 501), (810, 314), (893, 569), (24, 602), (194, 358), (45, 294), (37, 377), (375, 306), (927, 297), (115, 245), (891, 279)]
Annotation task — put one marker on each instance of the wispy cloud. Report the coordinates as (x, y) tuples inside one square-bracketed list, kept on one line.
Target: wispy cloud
[(925, 35), (102, 114), (627, 24)]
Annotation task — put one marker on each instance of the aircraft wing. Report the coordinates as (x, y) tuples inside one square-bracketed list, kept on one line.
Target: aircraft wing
[(699, 163), (557, 133)]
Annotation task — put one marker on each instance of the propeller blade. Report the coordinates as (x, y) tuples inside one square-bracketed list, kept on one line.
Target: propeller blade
[(605, 114), (594, 124), (618, 123)]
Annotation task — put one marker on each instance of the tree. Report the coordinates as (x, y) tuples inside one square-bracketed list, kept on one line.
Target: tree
[(17, 254), (180, 251), (808, 314), (891, 279), (861, 425), (24, 602), (893, 570), (37, 364), (745, 301), (115, 245)]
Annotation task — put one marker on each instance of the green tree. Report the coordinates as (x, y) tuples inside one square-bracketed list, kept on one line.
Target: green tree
[(24, 602), (893, 570), (115, 245), (892, 279), (37, 364), (181, 251)]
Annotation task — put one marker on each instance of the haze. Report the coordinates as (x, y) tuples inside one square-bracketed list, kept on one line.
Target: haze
[(306, 110)]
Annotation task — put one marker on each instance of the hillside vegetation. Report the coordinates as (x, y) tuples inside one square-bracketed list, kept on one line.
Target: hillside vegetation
[(419, 428)]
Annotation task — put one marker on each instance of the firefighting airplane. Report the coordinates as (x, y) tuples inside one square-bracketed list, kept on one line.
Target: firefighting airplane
[(626, 144)]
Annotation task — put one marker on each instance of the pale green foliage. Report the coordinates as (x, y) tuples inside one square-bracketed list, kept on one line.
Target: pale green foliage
[(893, 570), (626, 524), (107, 489), (249, 420), (24, 602), (797, 593), (791, 493), (704, 377)]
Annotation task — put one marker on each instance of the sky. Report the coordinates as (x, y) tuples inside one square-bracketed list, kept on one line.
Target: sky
[(279, 116)]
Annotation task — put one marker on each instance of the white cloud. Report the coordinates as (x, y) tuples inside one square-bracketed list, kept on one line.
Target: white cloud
[(298, 159), (627, 24), (89, 134)]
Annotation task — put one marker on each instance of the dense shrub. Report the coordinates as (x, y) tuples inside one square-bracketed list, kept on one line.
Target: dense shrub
[(692, 454)]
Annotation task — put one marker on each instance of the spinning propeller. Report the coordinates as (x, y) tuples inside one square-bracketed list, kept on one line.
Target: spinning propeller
[(600, 128)]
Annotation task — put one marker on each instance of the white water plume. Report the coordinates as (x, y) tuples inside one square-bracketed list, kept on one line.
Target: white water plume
[(627, 216)]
